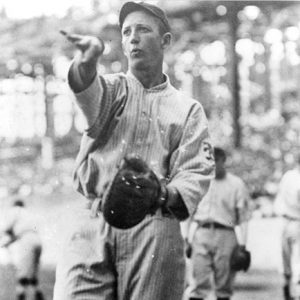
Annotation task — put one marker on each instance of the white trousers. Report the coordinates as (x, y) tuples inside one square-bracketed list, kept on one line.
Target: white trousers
[(290, 245), (104, 263), (211, 254)]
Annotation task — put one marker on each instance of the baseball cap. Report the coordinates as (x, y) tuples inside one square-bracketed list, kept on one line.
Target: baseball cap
[(129, 7), (18, 202)]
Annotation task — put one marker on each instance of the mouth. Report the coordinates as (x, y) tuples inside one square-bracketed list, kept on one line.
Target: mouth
[(136, 52)]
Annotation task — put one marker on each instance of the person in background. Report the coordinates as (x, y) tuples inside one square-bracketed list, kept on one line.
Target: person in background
[(287, 205), (218, 226), (19, 227)]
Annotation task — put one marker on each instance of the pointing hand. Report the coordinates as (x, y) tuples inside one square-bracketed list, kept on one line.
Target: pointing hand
[(91, 47)]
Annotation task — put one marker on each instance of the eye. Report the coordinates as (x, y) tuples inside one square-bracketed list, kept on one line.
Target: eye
[(144, 29), (126, 32)]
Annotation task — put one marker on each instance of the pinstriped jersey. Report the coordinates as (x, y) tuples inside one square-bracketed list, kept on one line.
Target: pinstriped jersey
[(160, 124)]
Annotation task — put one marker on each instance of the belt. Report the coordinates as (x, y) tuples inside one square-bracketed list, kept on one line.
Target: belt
[(214, 225), (291, 218)]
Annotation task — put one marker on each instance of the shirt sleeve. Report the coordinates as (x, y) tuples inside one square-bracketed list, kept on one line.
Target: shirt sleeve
[(101, 102), (192, 163), (92, 94), (8, 222)]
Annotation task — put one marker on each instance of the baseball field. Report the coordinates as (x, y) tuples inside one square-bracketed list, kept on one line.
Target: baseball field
[(261, 282)]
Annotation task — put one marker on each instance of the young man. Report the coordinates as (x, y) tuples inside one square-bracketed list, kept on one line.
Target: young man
[(20, 226), (224, 209), (138, 113), (287, 205)]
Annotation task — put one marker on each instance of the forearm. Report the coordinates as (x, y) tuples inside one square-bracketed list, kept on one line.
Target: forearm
[(90, 49), (242, 233), (191, 189), (6, 240), (192, 164), (176, 205), (192, 226), (81, 76)]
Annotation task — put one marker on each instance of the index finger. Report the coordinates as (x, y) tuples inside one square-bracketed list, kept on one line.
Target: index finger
[(63, 32), (71, 37)]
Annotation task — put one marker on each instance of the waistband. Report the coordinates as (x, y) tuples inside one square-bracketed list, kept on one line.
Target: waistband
[(96, 204), (289, 218), (214, 225)]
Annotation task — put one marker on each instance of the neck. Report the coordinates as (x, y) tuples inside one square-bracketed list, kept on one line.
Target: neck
[(149, 77), (220, 175)]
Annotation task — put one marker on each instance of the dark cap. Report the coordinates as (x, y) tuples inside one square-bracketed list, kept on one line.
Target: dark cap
[(18, 202), (129, 7)]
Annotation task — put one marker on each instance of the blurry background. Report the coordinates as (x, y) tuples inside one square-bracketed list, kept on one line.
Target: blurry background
[(240, 59)]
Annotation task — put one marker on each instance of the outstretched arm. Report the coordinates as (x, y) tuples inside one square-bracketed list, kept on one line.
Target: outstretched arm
[(94, 94), (84, 68)]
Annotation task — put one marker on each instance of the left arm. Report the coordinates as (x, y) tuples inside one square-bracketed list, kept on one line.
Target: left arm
[(191, 164), (243, 214), (6, 239), (279, 203), (189, 228), (7, 235), (241, 231)]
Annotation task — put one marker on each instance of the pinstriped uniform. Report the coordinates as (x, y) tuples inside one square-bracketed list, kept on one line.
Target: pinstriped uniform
[(169, 131)]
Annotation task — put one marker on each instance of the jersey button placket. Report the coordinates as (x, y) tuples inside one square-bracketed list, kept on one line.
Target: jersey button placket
[(143, 124)]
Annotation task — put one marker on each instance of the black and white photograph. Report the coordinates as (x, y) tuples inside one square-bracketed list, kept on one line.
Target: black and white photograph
[(149, 150)]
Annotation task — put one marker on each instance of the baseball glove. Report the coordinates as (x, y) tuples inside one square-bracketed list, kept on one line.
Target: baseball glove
[(240, 259), (134, 192)]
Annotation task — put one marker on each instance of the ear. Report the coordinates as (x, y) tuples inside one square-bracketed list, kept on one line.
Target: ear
[(166, 40)]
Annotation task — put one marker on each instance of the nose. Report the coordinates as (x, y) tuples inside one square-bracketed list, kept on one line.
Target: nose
[(134, 37)]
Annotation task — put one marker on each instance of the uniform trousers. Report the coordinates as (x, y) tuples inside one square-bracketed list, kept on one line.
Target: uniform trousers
[(290, 245), (28, 256), (104, 263), (211, 255)]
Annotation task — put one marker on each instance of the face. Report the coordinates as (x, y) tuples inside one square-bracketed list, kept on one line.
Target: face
[(143, 45)]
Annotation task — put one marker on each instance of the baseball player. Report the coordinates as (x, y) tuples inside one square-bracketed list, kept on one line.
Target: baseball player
[(19, 227), (139, 114), (224, 209), (287, 204)]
